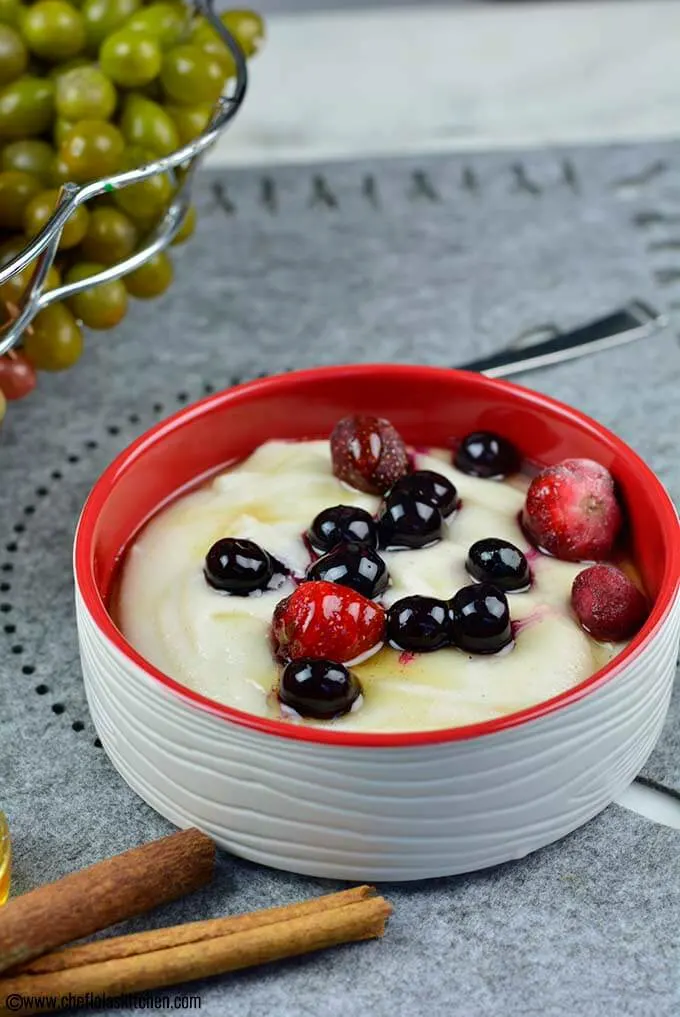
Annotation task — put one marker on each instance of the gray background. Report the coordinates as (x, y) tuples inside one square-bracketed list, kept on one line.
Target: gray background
[(296, 6), (426, 260)]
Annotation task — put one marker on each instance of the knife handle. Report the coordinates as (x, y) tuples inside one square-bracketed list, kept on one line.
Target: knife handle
[(636, 320)]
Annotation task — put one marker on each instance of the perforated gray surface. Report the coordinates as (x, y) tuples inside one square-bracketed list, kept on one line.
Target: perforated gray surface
[(432, 260)]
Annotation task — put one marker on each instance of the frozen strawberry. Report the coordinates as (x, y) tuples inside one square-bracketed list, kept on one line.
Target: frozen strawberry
[(323, 620), (368, 453), (571, 511), (608, 605)]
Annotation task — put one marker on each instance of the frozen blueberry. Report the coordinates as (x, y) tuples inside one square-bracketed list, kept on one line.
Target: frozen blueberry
[(241, 567), (499, 562), (318, 688), (419, 624), (485, 454), (353, 565), (408, 521), (342, 524), (431, 487), (481, 619)]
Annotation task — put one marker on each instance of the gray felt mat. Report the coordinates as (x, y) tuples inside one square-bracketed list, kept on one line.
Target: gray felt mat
[(430, 260)]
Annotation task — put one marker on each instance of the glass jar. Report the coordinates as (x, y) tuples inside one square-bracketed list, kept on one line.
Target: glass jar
[(5, 859)]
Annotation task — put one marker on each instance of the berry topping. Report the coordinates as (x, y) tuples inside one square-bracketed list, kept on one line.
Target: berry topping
[(419, 624), (368, 453), (342, 524), (241, 567), (485, 454), (326, 621), (407, 521), (318, 688), (571, 511), (355, 566), (481, 619), (430, 487), (608, 605), (499, 562)]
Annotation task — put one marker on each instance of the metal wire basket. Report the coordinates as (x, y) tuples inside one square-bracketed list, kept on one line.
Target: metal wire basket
[(43, 248)]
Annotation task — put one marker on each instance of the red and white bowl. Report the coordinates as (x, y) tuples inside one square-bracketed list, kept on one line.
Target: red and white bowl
[(372, 806)]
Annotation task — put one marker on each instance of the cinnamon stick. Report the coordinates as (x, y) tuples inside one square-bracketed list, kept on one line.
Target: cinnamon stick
[(364, 919), (103, 894), (117, 947)]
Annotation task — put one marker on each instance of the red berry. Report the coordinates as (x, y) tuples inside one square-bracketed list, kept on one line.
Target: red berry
[(17, 376), (608, 605), (368, 453), (571, 511), (326, 621)]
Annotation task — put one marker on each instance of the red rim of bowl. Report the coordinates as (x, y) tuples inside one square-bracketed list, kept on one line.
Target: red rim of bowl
[(97, 609)]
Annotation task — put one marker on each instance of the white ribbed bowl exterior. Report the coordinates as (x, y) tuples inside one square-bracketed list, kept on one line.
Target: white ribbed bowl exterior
[(374, 814)]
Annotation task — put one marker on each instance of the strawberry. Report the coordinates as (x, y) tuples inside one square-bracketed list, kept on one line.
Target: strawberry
[(571, 511), (323, 620), (608, 605), (368, 453)]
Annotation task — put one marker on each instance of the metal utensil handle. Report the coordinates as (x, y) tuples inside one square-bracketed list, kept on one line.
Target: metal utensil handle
[(636, 320), (43, 248)]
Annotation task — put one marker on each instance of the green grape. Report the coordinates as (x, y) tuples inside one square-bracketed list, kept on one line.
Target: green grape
[(148, 199), (60, 130), (206, 38), (101, 307), (30, 156), (58, 70), (110, 237), (190, 75), (130, 59), (145, 124), (103, 17), (85, 94), (167, 23), (187, 228), (150, 279), (16, 191), (92, 149), (9, 12), (40, 208), (26, 108), (13, 289), (59, 172), (53, 29), (190, 121), (9, 248), (13, 55), (54, 341), (247, 27)]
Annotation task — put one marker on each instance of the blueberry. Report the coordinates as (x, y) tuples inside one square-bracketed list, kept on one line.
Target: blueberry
[(499, 562), (318, 688), (431, 487), (420, 624), (353, 565), (241, 567), (485, 454), (342, 524), (481, 619), (407, 521)]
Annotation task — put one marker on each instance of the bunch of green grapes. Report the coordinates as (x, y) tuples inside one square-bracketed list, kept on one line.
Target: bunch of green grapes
[(88, 89)]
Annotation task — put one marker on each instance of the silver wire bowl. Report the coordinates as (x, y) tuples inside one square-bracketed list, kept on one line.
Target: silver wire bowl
[(43, 248)]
